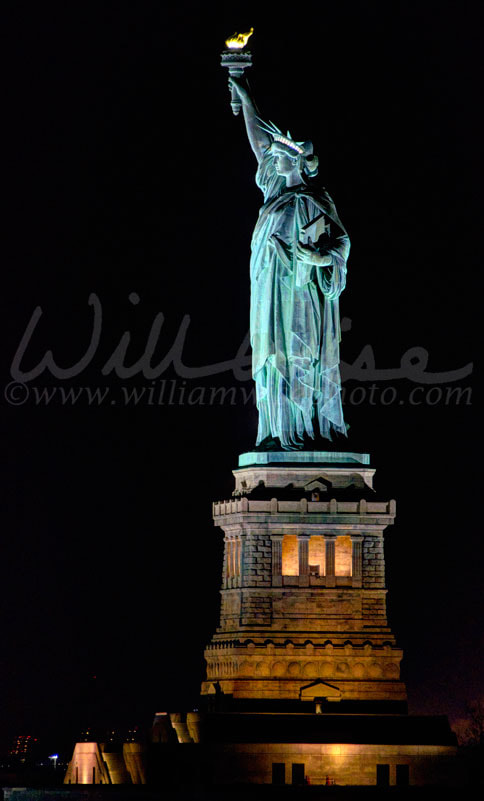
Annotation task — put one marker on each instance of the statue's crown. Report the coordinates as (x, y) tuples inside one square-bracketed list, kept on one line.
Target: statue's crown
[(278, 136)]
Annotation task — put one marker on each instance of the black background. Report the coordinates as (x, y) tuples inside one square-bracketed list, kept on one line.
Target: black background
[(127, 172)]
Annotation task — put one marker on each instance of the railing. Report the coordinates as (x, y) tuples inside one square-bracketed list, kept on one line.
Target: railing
[(304, 507)]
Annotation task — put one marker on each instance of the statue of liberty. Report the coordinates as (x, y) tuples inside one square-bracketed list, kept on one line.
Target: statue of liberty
[(297, 273)]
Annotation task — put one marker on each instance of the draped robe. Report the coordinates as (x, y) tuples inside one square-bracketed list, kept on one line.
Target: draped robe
[(294, 314)]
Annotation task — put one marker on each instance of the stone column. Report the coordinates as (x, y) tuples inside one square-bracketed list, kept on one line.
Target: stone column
[(241, 559), (231, 562), (234, 557), (276, 561), (234, 560), (356, 559), (226, 565), (303, 548), (329, 542), (238, 545)]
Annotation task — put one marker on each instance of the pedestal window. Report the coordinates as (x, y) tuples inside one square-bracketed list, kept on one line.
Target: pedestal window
[(290, 555), (233, 559), (343, 556), (316, 556), (321, 560)]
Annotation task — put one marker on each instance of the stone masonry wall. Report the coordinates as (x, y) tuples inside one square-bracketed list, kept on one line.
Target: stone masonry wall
[(373, 568), (374, 609), (257, 561), (230, 610), (256, 608), (224, 565)]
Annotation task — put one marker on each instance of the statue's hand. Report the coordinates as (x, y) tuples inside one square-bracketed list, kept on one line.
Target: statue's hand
[(310, 255), (240, 88)]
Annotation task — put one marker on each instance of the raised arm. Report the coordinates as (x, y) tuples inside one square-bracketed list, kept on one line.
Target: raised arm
[(259, 139)]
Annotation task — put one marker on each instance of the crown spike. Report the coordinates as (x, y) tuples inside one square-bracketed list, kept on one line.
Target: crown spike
[(278, 136)]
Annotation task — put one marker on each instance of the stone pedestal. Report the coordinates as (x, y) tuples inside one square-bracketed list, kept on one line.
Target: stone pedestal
[(303, 614), (303, 672)]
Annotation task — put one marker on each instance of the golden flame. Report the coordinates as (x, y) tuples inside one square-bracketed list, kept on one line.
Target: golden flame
[(238, 40)]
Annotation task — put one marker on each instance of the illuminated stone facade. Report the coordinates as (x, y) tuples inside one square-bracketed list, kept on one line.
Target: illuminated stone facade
[(100, 763), (303, 672), (337, 763), (303, 612)]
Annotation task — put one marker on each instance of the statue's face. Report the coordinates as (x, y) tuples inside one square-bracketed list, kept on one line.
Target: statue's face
[(284, 162)]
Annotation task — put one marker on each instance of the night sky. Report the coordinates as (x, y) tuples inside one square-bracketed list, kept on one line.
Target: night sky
[(126, 172)]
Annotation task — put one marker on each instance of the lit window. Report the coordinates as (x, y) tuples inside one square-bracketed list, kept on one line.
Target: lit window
[(290, 555), (342, 556), (316, 556)]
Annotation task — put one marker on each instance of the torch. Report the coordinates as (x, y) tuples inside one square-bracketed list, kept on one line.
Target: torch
[(236, 59)]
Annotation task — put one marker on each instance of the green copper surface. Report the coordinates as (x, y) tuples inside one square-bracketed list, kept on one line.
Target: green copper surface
[(302, 457), (297, 273)]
